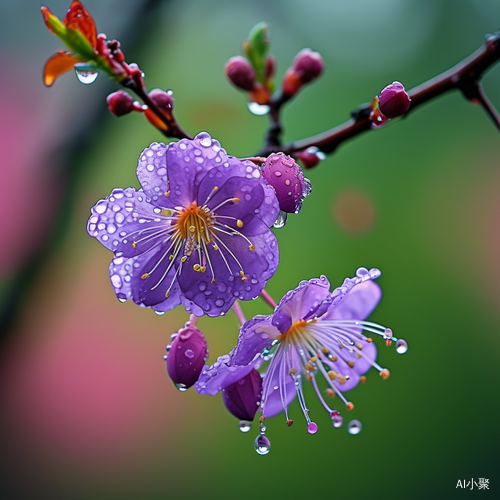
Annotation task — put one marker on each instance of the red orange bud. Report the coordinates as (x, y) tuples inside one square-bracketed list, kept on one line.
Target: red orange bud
[(162, 99), (240, 73), (308, 65), (120, 103)]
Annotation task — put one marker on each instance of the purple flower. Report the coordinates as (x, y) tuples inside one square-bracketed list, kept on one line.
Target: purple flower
[(196, 233), (313, 335)]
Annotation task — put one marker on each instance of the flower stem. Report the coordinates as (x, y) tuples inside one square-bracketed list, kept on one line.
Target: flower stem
[(268, 298), (239, 312)]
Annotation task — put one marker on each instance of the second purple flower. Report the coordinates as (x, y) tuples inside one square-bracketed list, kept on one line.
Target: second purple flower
[(196, 233)]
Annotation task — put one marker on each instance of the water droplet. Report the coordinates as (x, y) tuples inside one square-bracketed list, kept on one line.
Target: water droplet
[(321, 155), (281, 220), (170, 92), (168, 347), (362, 271), (219, 302), (337, 421), (86, 77), (312, 428), (262, 445), (354, 427), (205, 139), (181, 387), (189, 354), (160, 313), (245, 426), (121, 298), (401, 346), (278, 173), (258, 109)]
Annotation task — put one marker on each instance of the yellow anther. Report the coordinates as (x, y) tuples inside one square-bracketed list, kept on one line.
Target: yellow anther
[(166, 294), (369, 339), (251, 247), (314, 359), (359, 346), (166, 212), (330, 393), (309, 367), (332, 375), (183, 258), (215, 247), (358, 355), (261, 419), (350, 406), (170, 257), (216, 188), (192, 229), (134, 244), (350, 364), (144, 276), (362, 379), (341, 345), (309, 377), (324, 350), (167, 193), (196, 267), (236, 200), (203, 269), (334, 358), (385, 373), (239, 223), (293, 371), (243, 277), (212, 280), (342, 380)]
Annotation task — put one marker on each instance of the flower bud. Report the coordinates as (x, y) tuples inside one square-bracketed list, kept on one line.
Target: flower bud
[(120, 103), (162, 99), (394, 101), (186, 357), (243, 397), (240, 73), (308, 65), (286, 177)]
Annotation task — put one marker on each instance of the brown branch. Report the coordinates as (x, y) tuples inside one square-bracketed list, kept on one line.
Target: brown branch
[(465, 77)]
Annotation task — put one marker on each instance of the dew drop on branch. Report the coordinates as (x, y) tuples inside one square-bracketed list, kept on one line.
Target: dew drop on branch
[(86, 77)]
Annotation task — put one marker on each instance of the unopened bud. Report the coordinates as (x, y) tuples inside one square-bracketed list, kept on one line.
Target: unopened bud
[(308, 65), (270, 67), (243, 397), (286, 177), (162, 99), (120, 103), (394, 101), (186, 357), (240, 73)]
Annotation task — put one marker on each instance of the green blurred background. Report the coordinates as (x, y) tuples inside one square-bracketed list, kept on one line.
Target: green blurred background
[(87, 408)]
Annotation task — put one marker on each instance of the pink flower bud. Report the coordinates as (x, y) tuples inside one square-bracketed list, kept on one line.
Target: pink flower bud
[(120, 103), (394, 101), (241, 398), (308, 65), (186, 357), (286, 177), (162, 99), (240, 73)]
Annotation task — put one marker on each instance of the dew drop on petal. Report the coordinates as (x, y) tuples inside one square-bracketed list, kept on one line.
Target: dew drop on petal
[(362, 271), (258, 109), (86, 77), (337, 421), (281, 220), (278, 174), (354, 427), (181, 387), (245, 426), (189, 354), (219, 302), (262, 445), (168, 347), (121, 298), (401, 346), (312, 428)]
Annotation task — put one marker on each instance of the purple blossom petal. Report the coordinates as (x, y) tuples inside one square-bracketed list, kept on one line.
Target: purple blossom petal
[(304, 302), (188, 162), (152, 173), (255, 336)]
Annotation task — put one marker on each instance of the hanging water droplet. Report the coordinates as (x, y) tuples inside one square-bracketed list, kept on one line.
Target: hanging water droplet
[(170, 92), (258, 109), (245, 426), (189, 354), (354, 427), (361, 272), (86, 77), (181, 387), (337, 421), (321, 155), (312, 428), (401, 346), (168, 347), (160, 313), (262, 445), (281, 220), (121, 298), (306, 188), (262, 429)]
